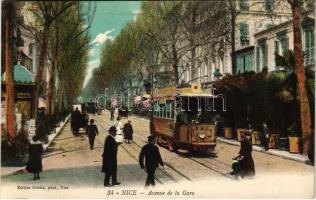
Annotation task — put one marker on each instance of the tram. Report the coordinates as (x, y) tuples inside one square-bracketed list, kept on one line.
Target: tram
[(182, 118)]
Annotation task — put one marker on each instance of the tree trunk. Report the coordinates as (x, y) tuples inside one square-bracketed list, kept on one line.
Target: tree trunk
[(193, 68), (60, 96), (175, 65), (41, 65), (10, 97), (51, 85), (233, 45), (50, 90), (305, 113)]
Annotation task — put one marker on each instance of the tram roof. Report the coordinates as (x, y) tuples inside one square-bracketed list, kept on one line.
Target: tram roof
[(196, 95), (194, 91)]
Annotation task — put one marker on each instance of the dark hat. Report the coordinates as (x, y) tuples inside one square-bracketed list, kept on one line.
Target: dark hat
[(112, 129), (151, 137), (35, 138)]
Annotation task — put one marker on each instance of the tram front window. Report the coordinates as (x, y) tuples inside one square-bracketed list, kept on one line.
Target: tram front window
[(194, 109)]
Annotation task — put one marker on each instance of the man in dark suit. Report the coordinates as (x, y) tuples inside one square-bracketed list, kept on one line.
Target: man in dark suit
[(75, 121), (109, 165), (91, 132), (152, 159)]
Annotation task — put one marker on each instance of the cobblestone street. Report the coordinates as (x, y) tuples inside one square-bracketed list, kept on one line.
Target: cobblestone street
[(69, 163)]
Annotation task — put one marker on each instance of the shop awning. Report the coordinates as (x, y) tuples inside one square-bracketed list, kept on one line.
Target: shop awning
[(21, 75)]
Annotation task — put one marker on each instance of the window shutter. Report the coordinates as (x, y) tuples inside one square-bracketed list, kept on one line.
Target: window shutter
[(265, 55), (243, 4), (244, 32), (258, 57), (240, 65), (307, 43), (285, 45), (309, 46), (269, 5), (241, 33), (248, 62), (276, 47)]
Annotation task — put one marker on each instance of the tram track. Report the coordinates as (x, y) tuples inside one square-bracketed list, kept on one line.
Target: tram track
[(211, 164), (169, 166), (136, 159), (164, 171)]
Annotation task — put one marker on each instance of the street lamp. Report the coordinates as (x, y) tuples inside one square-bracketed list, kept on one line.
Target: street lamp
[(105, 95)]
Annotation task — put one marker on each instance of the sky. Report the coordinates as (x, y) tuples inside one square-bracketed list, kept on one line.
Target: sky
[(109, 19)]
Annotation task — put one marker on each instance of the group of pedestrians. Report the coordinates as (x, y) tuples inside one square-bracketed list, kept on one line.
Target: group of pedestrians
[(149, 157), (123, 133)]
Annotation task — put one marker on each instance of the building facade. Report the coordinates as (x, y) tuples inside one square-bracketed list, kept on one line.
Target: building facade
[(278, 39), (252, 16)]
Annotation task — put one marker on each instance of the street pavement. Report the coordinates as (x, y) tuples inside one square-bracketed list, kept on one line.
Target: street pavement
[(70, 167)]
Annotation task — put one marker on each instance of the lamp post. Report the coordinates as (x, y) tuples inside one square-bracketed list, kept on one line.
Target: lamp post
[(105, 95)]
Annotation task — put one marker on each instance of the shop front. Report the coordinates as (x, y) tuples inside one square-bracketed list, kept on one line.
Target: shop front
[(24, 90)]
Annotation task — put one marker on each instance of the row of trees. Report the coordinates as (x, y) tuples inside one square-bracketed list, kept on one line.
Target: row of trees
[(162, 35), (66, 49)]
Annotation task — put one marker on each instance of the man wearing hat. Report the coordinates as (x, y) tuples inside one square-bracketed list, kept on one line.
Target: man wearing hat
[(152, 159), (91, 132), (109, 165)]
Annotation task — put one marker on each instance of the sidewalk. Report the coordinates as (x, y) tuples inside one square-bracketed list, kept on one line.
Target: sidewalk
[(5, 171), (275, 152)]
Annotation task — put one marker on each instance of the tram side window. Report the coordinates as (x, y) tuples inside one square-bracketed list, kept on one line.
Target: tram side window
[(172, 110), (156, 110), (168, 110), (162, 109)]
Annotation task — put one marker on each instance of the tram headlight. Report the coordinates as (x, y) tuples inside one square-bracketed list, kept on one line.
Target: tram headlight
[(202, 135)]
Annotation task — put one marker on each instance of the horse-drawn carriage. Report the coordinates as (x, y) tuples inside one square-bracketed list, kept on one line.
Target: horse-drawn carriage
[(79, 119)]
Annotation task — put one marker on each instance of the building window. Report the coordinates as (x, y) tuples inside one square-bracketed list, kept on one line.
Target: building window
[(244, 34), (309, 47), (244, 62), (284, 45), (262, 55), (243, 4), (269, 5), (284, 41)]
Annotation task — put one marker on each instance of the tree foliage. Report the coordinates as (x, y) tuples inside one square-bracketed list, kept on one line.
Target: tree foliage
[(153, 45)]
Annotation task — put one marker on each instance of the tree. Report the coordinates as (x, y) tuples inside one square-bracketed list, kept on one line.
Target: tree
[(61, 41), (9, 16), (43, 13), (305, 113)]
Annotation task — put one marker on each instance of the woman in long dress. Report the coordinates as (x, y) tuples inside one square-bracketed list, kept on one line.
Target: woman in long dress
[(247, 166), (119, 132), (34, 164)]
